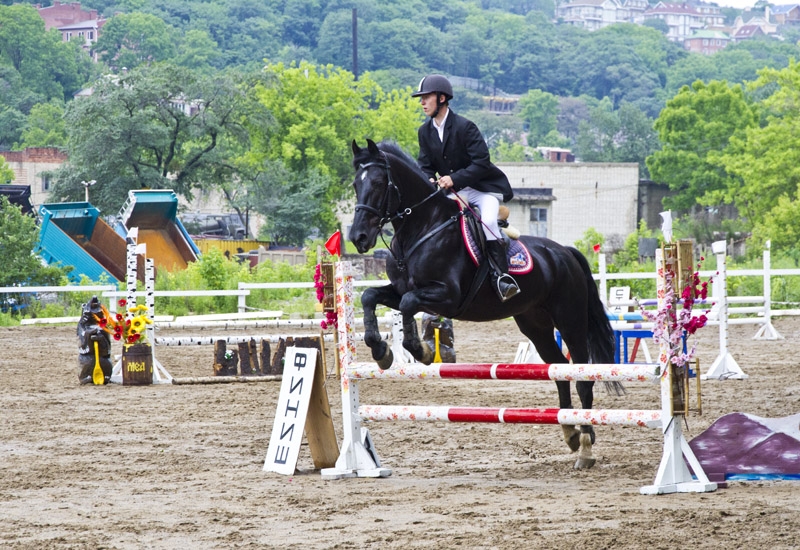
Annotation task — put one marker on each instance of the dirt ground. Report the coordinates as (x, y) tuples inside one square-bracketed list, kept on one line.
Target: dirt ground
[(168, 466)]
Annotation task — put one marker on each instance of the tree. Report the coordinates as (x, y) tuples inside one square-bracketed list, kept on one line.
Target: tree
[(47, 66), (198, 52), (694, 128), (764, 158), (6, 173), (318, 111), (18, 236), (45, 126), (128, 40), (159, 127), (624, 135), (540, 111)]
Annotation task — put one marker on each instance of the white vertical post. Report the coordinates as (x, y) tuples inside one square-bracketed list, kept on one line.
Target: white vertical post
[(673, 475), (601, 268), (725, 366), (767, 331), (357, 456), (160, 374)]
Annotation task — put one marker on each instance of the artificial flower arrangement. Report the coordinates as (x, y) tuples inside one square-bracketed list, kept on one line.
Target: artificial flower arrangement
[(672, 324), (129, 328), (331, 320)]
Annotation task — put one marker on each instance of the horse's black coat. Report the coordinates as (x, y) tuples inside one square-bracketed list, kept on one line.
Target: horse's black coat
[(430, 271)]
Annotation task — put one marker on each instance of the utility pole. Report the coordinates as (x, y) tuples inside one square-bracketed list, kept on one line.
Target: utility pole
[(355, 43), (87, 185)]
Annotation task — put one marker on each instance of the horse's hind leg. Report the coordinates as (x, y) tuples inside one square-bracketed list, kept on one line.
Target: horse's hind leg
[(417, 347), (370, 298), (585, 459), (577, 439)]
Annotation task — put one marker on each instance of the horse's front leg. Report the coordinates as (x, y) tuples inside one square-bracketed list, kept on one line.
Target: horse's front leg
[(370, 298)]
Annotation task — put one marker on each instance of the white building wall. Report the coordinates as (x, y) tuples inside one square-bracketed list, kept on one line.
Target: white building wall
[(602, 196)]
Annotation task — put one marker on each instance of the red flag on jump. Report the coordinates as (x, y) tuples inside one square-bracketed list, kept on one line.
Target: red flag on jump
[(334, 244)]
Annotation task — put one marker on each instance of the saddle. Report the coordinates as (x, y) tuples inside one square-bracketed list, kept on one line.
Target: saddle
[(519, 258)]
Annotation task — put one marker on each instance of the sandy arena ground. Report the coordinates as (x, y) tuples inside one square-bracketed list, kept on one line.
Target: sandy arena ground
[(166, 466)]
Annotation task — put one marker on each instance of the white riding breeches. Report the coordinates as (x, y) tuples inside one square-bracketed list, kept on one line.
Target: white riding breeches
[(489, 205)]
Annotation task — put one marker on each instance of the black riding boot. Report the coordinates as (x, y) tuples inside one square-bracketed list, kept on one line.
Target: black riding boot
[(503, 283)]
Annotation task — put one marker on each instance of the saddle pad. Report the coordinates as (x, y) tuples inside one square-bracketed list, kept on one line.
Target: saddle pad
[(519, 258)]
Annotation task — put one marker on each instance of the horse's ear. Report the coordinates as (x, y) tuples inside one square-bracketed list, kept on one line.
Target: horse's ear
[(356, 148), (373, 149)]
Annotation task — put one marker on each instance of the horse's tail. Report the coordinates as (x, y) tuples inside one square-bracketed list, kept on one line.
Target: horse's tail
[(600, 333)]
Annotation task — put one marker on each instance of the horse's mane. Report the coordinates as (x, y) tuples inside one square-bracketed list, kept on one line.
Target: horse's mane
[(391, 147)]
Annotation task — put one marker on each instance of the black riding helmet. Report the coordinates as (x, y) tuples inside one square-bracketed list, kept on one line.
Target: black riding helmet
[(434, 83)]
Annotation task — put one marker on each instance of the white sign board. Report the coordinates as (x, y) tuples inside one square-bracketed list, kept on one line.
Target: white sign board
[(290, 414)]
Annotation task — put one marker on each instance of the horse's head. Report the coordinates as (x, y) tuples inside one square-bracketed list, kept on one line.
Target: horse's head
[(376, 195)]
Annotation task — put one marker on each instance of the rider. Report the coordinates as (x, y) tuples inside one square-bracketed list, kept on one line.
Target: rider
[(453, 147)]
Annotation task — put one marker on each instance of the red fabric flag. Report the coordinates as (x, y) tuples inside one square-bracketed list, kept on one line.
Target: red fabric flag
[(334, 244)]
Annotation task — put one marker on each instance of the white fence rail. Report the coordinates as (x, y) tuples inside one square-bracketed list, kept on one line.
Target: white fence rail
[(757, 310)]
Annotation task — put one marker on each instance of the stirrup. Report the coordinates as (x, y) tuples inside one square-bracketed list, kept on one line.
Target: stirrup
[(511, 287)]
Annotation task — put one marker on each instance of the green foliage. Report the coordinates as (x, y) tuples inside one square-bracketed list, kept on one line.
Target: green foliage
[(540, 111), (764, 158), (213, 271), (129, 40), (45, 126), (18, 236), (586, 244), (624, 135), (298, 166), (47, 66), (694, 128), (6, 173), (146, 130), (8, 320)]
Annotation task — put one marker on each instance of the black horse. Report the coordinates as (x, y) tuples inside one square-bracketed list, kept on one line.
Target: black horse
[(431, 270)]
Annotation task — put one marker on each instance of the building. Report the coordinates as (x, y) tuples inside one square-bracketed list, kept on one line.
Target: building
[(787, 14), (74, 22), (562, 200), (684, 20), (589, 14), (707, 42), (29, 167)]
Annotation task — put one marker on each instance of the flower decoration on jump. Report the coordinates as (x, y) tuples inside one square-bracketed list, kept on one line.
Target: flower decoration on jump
[(331, 320), (672, 323), (129, 328)]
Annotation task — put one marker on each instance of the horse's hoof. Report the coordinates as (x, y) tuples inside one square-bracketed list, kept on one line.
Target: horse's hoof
[(386, 361), (584, 463), (427, 354)]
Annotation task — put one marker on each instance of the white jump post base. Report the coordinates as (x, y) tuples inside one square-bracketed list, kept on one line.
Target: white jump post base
[(724, 366), (357, 456)]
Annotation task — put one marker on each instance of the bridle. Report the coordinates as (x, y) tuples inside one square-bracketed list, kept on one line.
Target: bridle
[(386, 216), (402, 213)]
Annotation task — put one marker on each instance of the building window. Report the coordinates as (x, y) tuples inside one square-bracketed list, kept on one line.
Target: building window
[(538, 222), (91, 35), (46, 183)]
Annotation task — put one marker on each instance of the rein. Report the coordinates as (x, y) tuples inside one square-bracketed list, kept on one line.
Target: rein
[(387, 217)]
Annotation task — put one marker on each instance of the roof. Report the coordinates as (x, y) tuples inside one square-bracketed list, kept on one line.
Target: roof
[(90, 24), (706, 33), (748, 30), (784, 8)]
